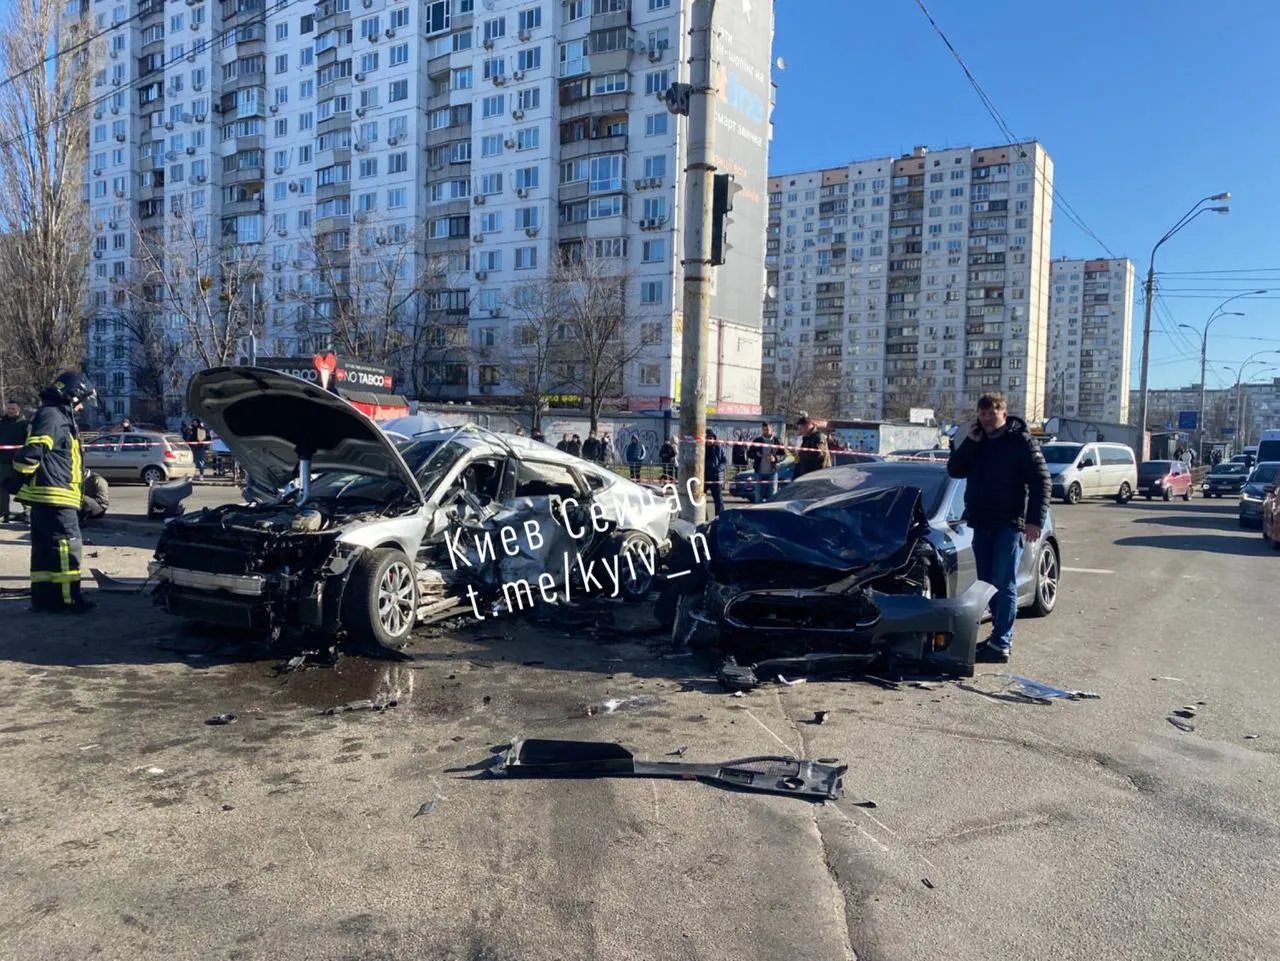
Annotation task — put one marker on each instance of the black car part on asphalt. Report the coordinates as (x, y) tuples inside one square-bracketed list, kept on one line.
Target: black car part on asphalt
[(769, 774), (847, 575)]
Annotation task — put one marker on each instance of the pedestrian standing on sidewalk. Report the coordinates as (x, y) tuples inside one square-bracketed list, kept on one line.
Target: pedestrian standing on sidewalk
[(667, 455), (767, 453), (13, 434), (713, 464), (1006, 501), (812, 454), (635, 454), (199, 443)]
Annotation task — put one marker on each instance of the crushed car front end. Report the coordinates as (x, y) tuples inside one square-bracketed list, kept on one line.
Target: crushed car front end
[(851, 576)]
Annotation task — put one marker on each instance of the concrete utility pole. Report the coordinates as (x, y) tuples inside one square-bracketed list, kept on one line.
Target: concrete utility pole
[(696, 336)]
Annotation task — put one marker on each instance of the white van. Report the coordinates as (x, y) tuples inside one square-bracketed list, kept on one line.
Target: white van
[(1268, 447), (1091, 470)]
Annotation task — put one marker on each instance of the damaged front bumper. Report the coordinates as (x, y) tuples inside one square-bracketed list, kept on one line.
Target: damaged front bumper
[(860, 625)]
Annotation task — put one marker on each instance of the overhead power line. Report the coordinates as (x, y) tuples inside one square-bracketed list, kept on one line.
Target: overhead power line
[(1059, 200)]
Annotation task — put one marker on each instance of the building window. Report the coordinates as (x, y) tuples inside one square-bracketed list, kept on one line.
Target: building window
[(530, 19), (573, 57), (655, 124), (397, 91), (650, 374), (653, 251), (527, 138), (651, 292), (526, 258), (529, 98), (400, 54), (435, 18), (493, 106)]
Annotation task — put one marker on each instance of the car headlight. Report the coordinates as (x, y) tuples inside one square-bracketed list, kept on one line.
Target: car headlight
[(1246, 496), (1159, 481)]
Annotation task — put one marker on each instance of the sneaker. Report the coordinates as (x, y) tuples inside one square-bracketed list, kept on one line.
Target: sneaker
[(988, 653)]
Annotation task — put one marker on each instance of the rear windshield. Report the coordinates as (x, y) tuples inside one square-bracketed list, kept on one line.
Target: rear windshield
[(1060, 453), (1232, 470), (1155, 468), (175, 440)]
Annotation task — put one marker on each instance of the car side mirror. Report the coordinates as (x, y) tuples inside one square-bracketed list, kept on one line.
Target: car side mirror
[(1085, 463)]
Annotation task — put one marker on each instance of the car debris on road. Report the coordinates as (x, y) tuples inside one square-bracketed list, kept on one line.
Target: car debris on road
[(769, 774)]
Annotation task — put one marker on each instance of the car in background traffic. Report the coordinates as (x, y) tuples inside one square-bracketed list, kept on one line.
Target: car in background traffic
[(1269, 446), (1225, 480), (1255, 490), (1246, 459), (1091, 470), (141, 456), (1166, 479)]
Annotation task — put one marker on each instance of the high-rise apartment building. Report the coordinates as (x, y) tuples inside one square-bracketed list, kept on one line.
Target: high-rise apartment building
[(918, 281), (1090, 322), (390, 180)]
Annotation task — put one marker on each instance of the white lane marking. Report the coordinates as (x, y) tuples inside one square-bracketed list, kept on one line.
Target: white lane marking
[(1085, 570)]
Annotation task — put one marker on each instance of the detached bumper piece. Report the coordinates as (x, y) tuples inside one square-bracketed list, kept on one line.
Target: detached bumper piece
[(768, 774)]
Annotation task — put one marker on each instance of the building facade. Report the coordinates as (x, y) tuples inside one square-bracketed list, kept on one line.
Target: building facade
[(392, 180), (1090, 327), (1236, 415), (917, 281)]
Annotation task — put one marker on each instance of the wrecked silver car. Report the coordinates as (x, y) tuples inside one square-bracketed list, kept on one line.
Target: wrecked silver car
[(844, 579), (353, 532)]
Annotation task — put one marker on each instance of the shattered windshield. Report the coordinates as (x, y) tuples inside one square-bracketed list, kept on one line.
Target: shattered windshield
[(430, 459)]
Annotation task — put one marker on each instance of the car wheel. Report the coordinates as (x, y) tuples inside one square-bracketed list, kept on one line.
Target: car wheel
[(1125, 493), (380, 605), (1243, 522), (1048, 573), (1074, 494), (1186, 494), (637, 562), (1148, 496), (1168, 493), (152, 475)]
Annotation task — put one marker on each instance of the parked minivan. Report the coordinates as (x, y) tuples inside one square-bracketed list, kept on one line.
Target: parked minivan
[(1091, 470)]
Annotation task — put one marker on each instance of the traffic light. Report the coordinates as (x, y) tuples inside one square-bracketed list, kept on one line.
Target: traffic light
[(723, 190)]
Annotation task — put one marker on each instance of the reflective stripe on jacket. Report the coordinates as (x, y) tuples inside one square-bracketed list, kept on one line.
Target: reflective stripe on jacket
[(51, 460)]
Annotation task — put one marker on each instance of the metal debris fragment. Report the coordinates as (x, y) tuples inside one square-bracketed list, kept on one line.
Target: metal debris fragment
[(1180, 724), (426, 808), (220, 719), (361, 705)]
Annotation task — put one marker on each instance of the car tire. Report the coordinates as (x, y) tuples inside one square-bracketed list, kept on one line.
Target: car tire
[(1048, 577), (1125, 494), (380, 604), (1244, 525), (1147, 496), (1186, 495), (152, 475), (1168, 494), (1074, 494), (633, 590)]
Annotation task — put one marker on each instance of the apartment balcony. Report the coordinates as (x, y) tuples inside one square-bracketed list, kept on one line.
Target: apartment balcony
[(250, 205), (593, 146), (242, 175), (339, 121), (575, 107), (330, 191), (244, 81)]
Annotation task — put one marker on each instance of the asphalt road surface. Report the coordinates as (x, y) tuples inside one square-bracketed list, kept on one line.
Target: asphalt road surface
[(131, 829)]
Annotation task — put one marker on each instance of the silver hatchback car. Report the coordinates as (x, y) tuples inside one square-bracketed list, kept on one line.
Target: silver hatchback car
[(141, 456)]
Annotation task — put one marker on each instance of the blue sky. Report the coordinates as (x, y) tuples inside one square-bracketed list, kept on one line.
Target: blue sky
[(1145, 106)]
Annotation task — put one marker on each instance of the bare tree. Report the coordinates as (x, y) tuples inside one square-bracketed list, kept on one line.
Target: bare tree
[(591, 297), (155, 357), (212, 285), (44, 137), (806, 386), (543, 348)]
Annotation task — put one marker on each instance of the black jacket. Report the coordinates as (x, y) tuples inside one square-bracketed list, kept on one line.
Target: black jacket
[(49, 464), (812, 455), (1008, 482), (13, 433), (591, 449)]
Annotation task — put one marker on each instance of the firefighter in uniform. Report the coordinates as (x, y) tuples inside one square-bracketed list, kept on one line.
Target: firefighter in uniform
[(51, 470)]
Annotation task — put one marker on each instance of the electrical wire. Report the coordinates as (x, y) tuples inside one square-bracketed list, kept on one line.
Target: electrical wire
[(14, 77), (42, 129), (993, 111)]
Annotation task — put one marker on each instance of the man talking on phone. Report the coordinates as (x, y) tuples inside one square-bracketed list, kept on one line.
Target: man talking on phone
[(1006, 501)]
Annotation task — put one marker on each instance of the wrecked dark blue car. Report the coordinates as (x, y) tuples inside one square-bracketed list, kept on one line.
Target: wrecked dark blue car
[(833, 571)]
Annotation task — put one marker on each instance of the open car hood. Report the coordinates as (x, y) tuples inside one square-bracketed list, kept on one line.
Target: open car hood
[(841, 533), (266, 417)]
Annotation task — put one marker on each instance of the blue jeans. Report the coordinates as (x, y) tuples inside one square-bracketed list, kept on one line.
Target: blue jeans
[(997, 552), (765, 487)]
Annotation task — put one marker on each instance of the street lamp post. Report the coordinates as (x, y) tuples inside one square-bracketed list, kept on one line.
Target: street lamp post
[(1150, 290), (1239, 371)]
